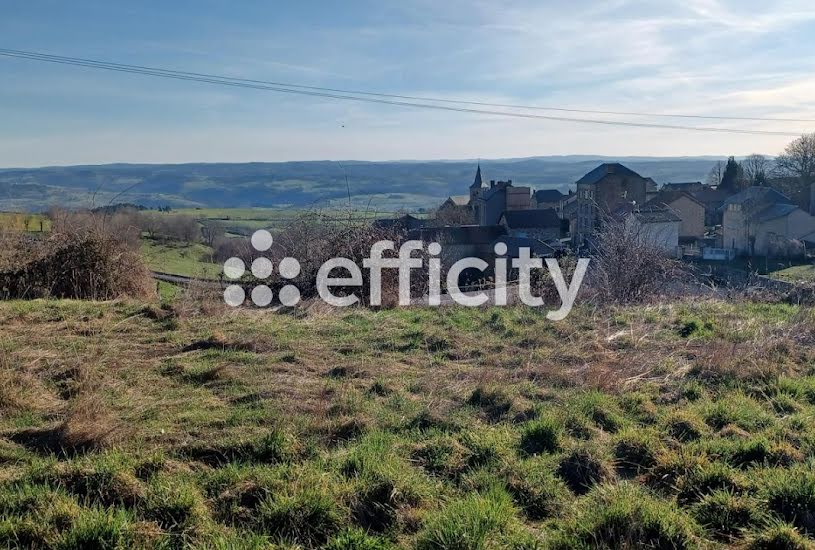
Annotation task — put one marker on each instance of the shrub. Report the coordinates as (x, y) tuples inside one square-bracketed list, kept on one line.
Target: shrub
[(541, 436), (584, 466), (88, 263), (469, 523), (626, 516)]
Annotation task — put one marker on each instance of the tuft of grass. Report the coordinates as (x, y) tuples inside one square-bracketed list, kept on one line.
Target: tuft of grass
[(600, 408), (357, 539), (584, 466), (495, 402), (789, 494), (536, 489), (726, 514), (779, 536), (627, 516), (305, 515), (684, 426), (636, 450), (470, 523), (542, 435)]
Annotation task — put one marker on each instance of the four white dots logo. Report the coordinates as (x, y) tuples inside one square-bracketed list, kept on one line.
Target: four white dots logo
[(262, 268)]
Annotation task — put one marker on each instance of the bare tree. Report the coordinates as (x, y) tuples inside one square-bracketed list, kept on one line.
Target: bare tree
[(756, 169), (797, 164), (27, 219), (628, 266), (211, 231), (714, 177)]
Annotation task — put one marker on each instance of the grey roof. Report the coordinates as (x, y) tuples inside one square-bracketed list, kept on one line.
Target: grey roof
[(662, 215), (606, 169), (775, 211), (683, 185), (711, 196), (758, 195), (667, 196), (477, 182), (459, 200), (406, 222), (548, 195), (538, 217)]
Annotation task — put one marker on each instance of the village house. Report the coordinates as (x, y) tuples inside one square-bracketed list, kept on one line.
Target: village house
[(488, 203), (761, 221), (547, 198), (540, 224), (713, 199), (690, 211), (656, 226), (604, 190)]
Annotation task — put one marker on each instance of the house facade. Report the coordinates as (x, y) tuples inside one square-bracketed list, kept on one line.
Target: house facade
[(687, 208), (761, 221), (658, 227), (604, 190)]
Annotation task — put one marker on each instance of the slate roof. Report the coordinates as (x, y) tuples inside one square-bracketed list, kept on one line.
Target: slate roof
[(605, 169), (548, 195), (775, 211), (477, 182), (666, 197), (537, 217), (459, 200), (662, 215), (758, 195)]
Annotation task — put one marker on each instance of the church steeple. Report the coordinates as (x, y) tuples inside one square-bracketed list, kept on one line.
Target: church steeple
[(477, 182)]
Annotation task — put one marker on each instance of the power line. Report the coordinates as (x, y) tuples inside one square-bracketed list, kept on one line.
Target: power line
[(240, 83), (418, 98)]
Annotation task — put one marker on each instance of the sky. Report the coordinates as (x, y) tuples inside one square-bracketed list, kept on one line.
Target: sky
[(702, 57)]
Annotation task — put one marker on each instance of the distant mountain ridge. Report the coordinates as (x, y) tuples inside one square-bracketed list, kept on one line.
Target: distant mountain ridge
[(408, 184)]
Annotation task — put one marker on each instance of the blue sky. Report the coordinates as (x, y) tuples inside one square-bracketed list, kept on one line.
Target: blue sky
[(717, 57)]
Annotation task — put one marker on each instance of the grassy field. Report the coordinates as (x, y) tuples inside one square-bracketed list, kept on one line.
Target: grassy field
[(16, 221), (796, 274), (678, 426), (191, 260)]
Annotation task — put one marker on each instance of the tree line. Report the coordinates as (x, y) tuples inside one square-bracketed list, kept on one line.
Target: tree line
[(792, 172)]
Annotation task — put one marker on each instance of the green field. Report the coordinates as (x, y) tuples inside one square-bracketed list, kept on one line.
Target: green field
[(796, 274), (685, 425), (190, 260)]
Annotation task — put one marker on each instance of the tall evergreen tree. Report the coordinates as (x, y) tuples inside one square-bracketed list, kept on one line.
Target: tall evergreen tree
[(733, 177)]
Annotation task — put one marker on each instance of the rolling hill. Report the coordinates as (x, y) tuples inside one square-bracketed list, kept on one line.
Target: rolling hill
[(391, 185)]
